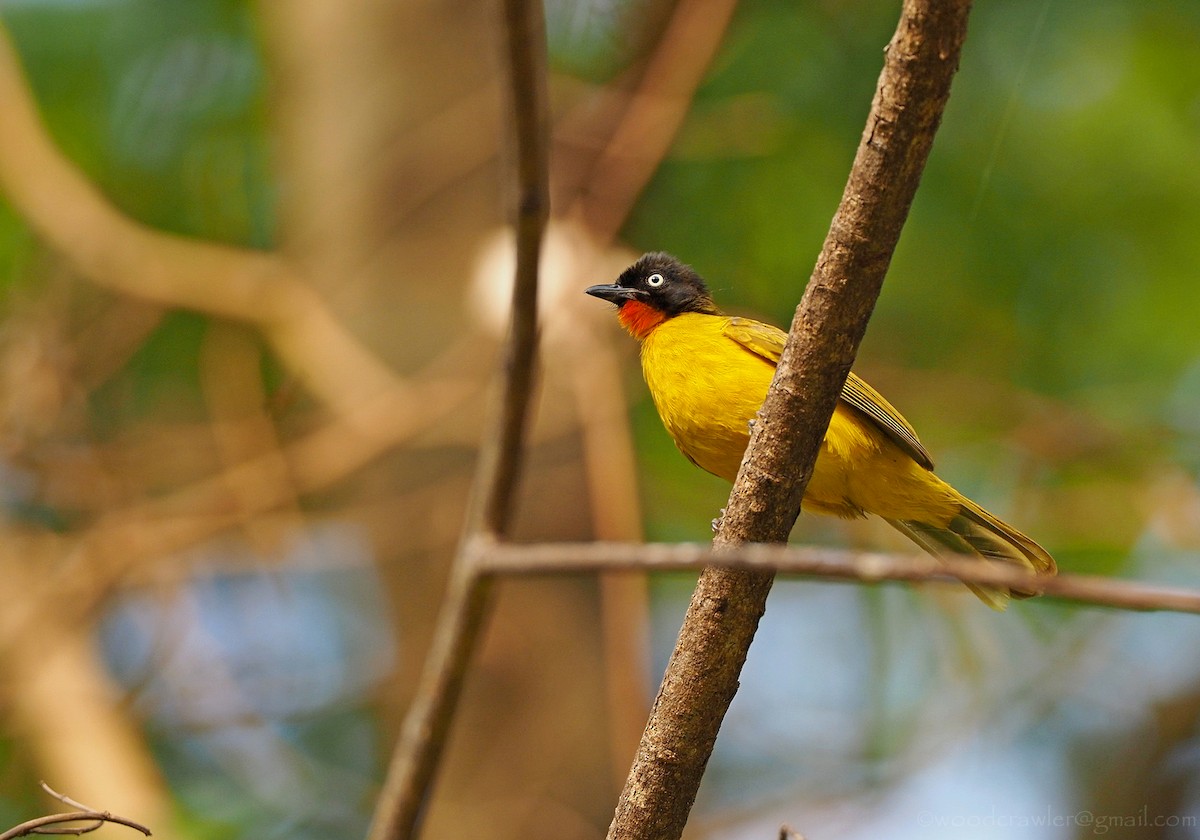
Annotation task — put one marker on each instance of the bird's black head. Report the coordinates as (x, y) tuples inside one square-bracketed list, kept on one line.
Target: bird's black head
[(662, 282)]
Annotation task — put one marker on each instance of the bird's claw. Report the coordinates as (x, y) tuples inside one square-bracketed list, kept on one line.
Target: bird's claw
[(716, 523)]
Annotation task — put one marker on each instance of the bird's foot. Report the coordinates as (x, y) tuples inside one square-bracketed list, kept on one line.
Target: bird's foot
[(716, 523)]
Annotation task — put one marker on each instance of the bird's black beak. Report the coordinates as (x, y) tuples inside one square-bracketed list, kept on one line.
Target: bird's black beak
[(613, 293)]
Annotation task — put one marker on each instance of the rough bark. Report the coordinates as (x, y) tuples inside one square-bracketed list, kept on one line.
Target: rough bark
[(702, 675)]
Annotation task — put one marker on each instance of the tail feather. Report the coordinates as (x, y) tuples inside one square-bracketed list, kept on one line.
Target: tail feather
[(975, 532)]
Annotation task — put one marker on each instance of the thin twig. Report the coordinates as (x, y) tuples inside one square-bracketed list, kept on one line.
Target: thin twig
[(54, 824), (57, 823), (463, 612), (63, 798), (497, 478), (703, 673), (831, 564)]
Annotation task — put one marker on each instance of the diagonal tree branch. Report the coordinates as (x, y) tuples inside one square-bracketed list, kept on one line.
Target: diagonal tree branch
[(702, 675), (464, 610)]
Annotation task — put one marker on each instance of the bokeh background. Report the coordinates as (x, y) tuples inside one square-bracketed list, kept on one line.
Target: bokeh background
[(253, 296)]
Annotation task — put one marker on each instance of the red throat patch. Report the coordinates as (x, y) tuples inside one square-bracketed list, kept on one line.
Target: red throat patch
[(639, 318)]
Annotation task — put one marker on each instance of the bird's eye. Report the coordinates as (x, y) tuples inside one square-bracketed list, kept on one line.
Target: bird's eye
[(655, 280)]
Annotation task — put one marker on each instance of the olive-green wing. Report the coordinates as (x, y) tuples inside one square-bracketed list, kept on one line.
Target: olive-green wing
[(870, 402), (757, 337), (767, 341)]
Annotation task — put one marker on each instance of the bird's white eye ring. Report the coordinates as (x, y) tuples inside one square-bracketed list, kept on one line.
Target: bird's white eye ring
[(655, 280)]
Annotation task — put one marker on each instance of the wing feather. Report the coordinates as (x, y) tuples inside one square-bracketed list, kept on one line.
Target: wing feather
[(768, 341)]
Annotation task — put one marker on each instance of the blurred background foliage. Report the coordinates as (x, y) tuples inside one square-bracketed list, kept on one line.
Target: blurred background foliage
[(1039, 326)]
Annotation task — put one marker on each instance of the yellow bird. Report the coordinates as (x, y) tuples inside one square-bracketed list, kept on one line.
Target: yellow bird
[(708, 374)]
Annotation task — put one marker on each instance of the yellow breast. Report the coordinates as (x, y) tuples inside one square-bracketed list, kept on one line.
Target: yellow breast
[(706, 387)]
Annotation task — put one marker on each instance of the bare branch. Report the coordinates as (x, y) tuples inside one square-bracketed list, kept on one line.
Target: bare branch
[(113, 251), (830, 564), (462, 615), (703, 673), (62, 797), (60, 823), (654, 114), (56, 824), (500, 459)]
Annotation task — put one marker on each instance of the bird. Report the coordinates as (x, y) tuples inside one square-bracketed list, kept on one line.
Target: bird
[(708, 374)]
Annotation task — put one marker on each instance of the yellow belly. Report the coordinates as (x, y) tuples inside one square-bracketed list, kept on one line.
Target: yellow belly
[(707, 388)]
